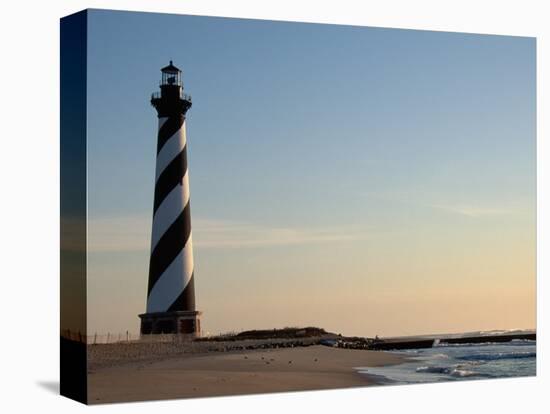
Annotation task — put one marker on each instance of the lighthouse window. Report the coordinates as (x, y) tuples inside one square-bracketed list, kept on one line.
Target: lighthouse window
[(171, 78)]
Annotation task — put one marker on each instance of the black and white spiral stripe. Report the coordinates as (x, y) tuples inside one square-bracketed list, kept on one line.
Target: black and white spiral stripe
[(171, 266)]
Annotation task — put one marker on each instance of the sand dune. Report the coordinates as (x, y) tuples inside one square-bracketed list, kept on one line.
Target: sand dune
[(243, 372)]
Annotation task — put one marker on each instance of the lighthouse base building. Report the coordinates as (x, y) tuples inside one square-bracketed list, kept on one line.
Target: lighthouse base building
[(178, 322), (171, 287)]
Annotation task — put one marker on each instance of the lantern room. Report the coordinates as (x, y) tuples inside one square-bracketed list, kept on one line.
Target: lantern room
[(171, 76)]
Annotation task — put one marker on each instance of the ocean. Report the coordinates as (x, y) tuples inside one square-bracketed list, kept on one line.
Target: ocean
[(460, 362)]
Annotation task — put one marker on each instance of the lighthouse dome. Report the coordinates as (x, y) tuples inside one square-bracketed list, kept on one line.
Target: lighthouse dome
[(170, 69)]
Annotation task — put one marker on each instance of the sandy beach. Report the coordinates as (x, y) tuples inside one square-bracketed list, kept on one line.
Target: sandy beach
[(233, 373)]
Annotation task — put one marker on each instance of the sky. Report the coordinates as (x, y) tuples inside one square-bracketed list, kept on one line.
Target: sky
[(368, 181)]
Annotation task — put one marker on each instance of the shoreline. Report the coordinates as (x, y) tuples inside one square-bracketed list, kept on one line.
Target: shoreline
[(210, 374), (460, 361)]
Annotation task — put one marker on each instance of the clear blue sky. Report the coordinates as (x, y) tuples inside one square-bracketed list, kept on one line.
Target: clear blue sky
[(326, 162)]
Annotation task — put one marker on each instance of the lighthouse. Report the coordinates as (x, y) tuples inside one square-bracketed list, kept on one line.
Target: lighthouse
[(171, 291)]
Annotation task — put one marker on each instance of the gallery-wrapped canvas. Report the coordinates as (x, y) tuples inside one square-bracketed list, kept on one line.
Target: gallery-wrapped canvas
[(364, 206)]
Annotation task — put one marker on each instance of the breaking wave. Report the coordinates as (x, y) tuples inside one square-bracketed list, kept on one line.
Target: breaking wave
[(498, 356), (454, 371)]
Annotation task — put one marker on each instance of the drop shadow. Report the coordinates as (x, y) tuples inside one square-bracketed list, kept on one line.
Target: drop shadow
[(51, 386)]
